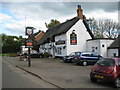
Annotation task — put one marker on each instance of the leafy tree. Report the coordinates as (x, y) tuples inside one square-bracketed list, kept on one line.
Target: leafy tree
[(52, 23), (10, 43)]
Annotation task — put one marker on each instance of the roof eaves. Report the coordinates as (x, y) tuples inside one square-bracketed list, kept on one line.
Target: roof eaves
[(86, 25)]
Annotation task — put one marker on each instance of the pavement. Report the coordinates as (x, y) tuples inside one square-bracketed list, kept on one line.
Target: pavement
[(57, 73)]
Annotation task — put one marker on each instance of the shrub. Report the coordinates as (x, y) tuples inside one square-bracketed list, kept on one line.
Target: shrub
[(46, 54)]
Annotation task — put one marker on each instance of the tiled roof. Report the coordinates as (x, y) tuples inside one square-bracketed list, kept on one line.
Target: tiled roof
[(115, 44)]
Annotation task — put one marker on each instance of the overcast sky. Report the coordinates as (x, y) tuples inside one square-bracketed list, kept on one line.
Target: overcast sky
[(16, 15)]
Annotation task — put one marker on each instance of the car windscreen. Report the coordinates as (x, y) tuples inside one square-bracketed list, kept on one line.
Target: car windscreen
[(77, 53), (106, 62), (33, 52)]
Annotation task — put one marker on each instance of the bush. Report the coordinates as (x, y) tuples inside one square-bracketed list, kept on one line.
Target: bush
[(46, 54)]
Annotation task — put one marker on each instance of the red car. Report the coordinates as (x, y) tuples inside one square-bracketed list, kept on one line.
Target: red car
[(107, 69)]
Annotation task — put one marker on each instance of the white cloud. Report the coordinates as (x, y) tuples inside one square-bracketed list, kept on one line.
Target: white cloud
[(4, 17), (36, 16), (100, 14)]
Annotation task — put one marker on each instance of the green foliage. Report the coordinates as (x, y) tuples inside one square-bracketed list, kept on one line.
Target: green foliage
[(46, 54), (52, 23), (8, 54), (10, 43)]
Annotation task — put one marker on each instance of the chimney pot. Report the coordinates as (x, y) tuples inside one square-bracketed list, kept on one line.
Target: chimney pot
[(79, 6), (79, 12)]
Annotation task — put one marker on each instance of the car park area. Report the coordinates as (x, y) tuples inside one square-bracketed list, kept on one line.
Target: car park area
[(66, 75)]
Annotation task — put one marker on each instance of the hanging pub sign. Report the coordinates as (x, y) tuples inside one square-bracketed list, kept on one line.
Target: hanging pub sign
[(60, 42), (73, 39), (28, 43), (29, 30)]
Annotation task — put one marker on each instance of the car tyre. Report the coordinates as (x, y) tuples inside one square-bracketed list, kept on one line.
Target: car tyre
[(93, 79), (117, 82)]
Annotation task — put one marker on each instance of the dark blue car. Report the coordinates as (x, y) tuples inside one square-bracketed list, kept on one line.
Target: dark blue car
[(70, 57), (84, 58)]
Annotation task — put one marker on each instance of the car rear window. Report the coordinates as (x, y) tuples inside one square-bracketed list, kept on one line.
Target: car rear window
[(106, 62)]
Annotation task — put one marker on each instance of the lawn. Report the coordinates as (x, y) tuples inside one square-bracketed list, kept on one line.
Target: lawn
[(8, 54)]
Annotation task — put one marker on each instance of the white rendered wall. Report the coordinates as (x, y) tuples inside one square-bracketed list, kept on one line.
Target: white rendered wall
[(24, 48), (103, 50), (82, 36), (95, 44), (111, 52), (99, 44), (63, 50)]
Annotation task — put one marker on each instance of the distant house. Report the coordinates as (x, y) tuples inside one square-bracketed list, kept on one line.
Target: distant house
[(99, 45), (114, 48), (38, 35), (72, 36)]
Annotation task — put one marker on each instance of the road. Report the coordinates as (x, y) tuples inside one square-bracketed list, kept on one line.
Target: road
[(14, 77)]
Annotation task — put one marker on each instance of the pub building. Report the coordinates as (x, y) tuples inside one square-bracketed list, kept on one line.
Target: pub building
[(72, 36)]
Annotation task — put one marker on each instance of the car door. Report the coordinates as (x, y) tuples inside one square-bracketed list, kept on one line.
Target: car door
[(119, 66)]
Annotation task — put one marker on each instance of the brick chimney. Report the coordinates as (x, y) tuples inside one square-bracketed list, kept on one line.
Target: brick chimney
[(79, 12)]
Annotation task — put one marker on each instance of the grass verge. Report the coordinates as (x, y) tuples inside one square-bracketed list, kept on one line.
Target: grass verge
[(8, 54)]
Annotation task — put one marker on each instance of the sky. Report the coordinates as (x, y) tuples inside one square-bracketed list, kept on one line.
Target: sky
[(16, 15)]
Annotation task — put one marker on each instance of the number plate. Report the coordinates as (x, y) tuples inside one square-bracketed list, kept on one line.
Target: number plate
[(75, 58), (98, 76)]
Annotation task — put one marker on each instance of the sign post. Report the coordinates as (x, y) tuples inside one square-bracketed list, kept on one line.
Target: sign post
[(29, 43)]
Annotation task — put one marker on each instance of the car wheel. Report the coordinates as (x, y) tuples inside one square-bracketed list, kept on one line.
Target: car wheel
[(40, 56), (93, 79), (117, 82), (84, 63)]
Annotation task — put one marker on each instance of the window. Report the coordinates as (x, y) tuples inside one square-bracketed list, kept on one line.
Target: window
[(119, 62), (77, 53), (58, 50), (86, 54), (103, 45), (71, 54), (106, 62)]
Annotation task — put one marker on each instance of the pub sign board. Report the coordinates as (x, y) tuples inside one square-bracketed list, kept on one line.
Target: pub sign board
[(29, 30), (60, 42), (28, 43), (73, 39)]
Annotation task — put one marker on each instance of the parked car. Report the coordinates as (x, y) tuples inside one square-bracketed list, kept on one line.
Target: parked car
[(18, 53), (69, 58), (84, 58), (35, 54), (107, 69)]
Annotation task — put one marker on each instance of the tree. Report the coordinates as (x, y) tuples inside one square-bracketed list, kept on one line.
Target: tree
[(10, 43), (110, 28), (52, 23), (103, 28)]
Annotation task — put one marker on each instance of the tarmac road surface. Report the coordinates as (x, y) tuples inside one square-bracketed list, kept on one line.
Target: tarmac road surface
[(13, 77)]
